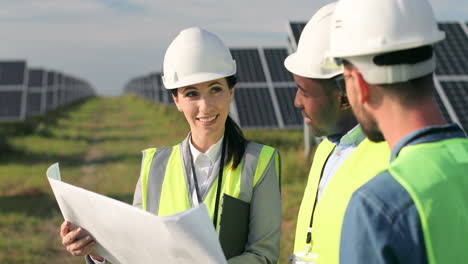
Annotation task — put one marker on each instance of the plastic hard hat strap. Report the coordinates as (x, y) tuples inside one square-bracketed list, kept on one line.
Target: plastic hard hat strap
[(389, 74)]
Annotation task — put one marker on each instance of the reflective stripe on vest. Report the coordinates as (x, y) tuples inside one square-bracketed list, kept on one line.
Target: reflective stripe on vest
[(366, 161), (436, 177), (164, 179)]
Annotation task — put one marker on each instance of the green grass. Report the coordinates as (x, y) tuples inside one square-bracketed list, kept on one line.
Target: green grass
[(98, 144)]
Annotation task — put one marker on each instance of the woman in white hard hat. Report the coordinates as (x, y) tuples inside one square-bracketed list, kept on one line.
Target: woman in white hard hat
[(214, 165)]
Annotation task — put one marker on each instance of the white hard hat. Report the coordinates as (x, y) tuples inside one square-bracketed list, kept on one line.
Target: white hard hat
[(362, 29), (196, 56), (310, 60)]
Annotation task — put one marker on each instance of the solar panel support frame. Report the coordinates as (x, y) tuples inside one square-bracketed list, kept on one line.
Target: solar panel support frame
[(445, 101), (292, 41), (55, 88), (453, 78), (464, 27), (242, 85), (271, 89), (24, 99)]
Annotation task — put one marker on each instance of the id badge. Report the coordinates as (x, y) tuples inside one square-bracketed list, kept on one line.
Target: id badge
[(304, 258)]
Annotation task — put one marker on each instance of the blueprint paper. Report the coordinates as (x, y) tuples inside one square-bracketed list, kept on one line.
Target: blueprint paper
[(126, 234)]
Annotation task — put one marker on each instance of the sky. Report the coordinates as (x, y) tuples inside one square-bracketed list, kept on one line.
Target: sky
[(108, 42)]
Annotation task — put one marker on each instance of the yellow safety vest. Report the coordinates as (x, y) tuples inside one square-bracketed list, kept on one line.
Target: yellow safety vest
[(163, 177), (366, 161), (436, 177)]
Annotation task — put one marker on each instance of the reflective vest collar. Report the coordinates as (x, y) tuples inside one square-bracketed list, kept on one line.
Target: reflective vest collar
[(426, 135), (184, 151)]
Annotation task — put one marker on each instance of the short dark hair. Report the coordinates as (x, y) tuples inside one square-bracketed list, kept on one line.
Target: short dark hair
[(411, 91)]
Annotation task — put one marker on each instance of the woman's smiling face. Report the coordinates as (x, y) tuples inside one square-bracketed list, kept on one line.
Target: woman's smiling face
[(206, 107)]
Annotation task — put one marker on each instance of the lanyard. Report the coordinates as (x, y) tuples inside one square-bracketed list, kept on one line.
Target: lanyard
[(220, 180), (309, 230)]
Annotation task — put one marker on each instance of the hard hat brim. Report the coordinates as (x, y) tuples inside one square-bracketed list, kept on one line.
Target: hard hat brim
[(297, 65), (193, 79)]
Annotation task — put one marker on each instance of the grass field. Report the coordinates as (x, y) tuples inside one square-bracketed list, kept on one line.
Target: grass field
[(98, 144)]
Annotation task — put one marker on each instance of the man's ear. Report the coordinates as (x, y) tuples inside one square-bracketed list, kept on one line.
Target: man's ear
[(362, 87)]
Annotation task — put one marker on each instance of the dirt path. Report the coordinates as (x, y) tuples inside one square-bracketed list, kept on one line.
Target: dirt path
[(88, 167)]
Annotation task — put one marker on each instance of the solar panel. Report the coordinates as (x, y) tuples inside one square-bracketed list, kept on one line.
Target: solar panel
[(34, 104), (452, 53), (457, 94), (51, 78), (275, 60), (148, 88), (168, 99), (36, 78), (12, 73), (291, 114), (13, 90), (61, 89), (51, 90), (36, 92), (249, 66), (11, 105), (153, 82), (164, 97), (255, 108), (296, 28)]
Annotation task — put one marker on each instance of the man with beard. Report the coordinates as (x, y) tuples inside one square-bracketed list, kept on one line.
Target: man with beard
[(343, 161), (417, 210)]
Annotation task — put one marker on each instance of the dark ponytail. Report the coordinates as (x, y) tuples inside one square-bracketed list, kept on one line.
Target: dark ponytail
[(236, 141)]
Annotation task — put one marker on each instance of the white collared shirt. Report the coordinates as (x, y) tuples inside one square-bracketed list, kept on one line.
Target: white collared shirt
[(204, 165), (348, 143)]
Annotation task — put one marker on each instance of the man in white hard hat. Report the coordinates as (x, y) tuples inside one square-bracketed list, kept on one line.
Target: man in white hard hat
[(343, 161), (417, 210)]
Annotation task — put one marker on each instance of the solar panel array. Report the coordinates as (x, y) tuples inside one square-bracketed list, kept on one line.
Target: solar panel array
[(264, 94), (265, 91), (452, 73), (150, 87), (28, 92)]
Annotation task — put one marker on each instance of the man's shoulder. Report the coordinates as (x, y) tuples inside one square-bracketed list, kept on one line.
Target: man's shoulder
[(384, 194)]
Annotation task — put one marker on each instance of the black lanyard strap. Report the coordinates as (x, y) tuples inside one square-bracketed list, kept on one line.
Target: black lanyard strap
[(309, 230), (220, 181)]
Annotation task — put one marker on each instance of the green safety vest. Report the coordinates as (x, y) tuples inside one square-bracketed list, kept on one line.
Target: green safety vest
[(366, 161), (164, 185), (436, 177)]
